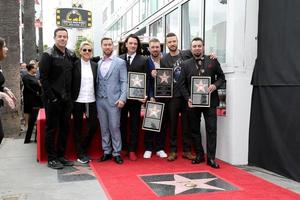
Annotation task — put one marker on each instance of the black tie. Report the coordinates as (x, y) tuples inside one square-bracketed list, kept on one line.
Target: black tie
[(128, 61)]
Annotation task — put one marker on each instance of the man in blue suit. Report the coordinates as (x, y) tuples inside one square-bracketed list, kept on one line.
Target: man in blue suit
[(111, 97)]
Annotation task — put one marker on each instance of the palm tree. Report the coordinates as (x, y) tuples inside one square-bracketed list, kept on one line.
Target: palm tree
[(29, 38), (9, 29)]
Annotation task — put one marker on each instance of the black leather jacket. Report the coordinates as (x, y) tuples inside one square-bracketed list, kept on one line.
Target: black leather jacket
[(56, 74)]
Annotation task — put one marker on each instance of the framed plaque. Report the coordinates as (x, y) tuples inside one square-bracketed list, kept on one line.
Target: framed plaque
[(163, 83), (136, 85), (199, 91), (153, 116)]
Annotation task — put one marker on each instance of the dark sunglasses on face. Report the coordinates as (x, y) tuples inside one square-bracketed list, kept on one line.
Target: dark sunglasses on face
[(85, 50)]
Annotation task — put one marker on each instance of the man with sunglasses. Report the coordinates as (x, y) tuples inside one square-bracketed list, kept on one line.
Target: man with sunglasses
[(84, 78)]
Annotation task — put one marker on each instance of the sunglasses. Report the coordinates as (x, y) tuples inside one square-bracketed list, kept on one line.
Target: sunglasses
[(85, 50)]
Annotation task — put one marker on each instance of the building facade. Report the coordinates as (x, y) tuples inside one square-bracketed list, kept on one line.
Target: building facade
[(229, 29)]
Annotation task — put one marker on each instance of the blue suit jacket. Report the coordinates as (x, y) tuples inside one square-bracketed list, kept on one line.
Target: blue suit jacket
[(116, 80)]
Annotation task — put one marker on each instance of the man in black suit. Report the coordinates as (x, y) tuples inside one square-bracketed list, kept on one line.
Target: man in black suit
[(83, 95), (202, 65), (56, 67), (135, 63)]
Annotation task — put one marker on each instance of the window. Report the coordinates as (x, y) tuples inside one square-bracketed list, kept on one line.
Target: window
[(153, 6), (112, 6), (128, 20), (215, 28), (191, 22), (135, 14), (156, 30), (172, 22), (143, 9), (104, 16)]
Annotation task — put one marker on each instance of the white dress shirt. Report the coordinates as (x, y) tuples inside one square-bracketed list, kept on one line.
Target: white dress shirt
[(87, 91)]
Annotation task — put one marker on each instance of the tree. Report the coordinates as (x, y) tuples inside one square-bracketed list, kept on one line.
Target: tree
[(29, 37), (78, 42), (9, 23)]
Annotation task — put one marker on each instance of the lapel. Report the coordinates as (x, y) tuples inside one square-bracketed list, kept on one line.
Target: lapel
[(99, 68), (78, 68), (94, 69), (133, 62), (111, 68)]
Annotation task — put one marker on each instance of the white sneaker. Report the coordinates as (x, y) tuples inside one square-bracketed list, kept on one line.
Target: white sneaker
[(147, 154), (161, 154)]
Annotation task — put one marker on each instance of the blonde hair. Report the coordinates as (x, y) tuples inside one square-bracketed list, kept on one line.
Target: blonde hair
[(85, 43)]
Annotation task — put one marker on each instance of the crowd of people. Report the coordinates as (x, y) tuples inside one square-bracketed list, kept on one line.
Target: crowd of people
[(97, 89)]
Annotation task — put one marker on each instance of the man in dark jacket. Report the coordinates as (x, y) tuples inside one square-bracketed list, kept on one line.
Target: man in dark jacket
[(177, 104), (135, 63), (56, 76), (201, 65)]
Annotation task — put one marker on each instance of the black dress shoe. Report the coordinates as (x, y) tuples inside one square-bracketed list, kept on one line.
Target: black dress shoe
[(118, 159), (213, 164), (198, 159), (105, 157), (65, 162)]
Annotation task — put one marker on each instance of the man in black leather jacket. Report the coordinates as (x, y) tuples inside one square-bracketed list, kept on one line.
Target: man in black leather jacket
[(56, 77)]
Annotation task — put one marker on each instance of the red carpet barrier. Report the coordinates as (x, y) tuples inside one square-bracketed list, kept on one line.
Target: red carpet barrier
[(95, 149)]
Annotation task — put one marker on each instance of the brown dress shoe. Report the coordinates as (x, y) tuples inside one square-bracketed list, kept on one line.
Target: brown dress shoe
[(188, 155), (172, 156)]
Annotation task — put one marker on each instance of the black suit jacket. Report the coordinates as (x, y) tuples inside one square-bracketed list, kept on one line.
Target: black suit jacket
[(138, 64), (212, 68), (76, 80)]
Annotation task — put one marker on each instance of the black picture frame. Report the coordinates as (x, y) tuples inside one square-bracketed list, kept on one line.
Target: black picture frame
[(153, 116), (199, 91), (136, 85), (163, 83)]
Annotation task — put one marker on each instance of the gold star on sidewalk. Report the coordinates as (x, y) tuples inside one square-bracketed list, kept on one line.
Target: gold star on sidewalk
[(183, 184)]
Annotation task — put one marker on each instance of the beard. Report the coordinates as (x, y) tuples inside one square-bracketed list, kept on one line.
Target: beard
[(107, 53), (198, 55), (173, 48)]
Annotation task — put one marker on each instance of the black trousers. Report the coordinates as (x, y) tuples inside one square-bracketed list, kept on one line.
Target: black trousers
[(156, 139), (57, 122), (90, 111), (176, 106), (31, 122), (210, 117), (132, 107)]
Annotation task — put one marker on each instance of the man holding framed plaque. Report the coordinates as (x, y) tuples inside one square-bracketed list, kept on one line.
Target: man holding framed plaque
[(199, 81), (136, 66), (154, 135)]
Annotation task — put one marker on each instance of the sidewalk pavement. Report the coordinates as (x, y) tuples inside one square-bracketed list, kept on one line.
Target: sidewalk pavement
[(23, 178)]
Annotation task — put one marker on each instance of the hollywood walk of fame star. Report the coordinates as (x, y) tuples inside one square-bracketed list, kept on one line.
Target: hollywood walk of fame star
[(200, 86), (164, 78), (137, 81), (153, 111), (80, 170), (183, 184)]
